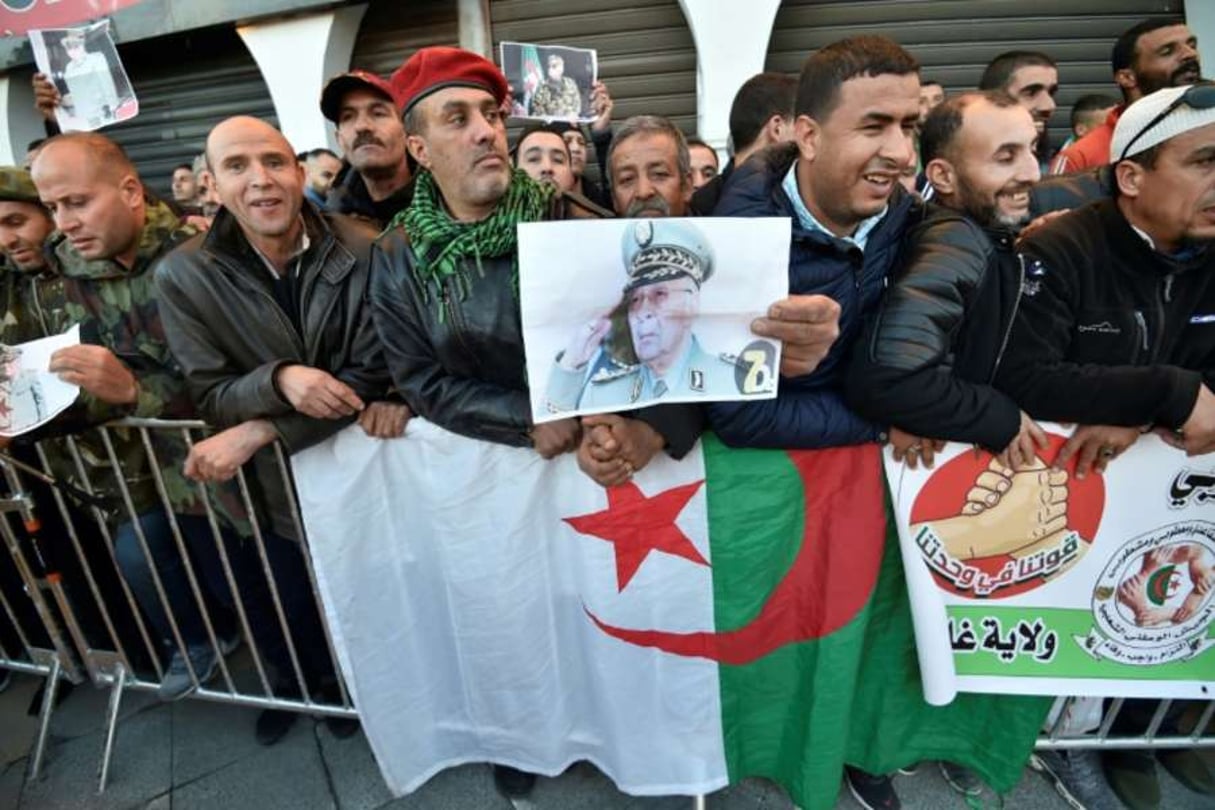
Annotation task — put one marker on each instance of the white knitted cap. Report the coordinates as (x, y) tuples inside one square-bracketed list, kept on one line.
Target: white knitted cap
[(1138, 115)]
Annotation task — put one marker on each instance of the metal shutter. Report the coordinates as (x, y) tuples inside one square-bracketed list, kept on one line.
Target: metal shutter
[(392, 30), (186, 84), (954, 40), (646, 54)]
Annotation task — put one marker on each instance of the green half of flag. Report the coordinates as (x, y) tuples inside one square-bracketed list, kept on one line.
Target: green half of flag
[(827, 673)]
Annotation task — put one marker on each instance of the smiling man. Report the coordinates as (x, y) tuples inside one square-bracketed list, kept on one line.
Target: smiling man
[(265, 314), (1149, 56), (857, 108), (925, 362), (368, 118)]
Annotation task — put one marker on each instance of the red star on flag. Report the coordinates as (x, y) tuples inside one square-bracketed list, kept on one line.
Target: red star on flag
[(637, 525)]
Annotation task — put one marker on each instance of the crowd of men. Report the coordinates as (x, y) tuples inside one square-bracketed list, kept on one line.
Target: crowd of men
[(295, 293)]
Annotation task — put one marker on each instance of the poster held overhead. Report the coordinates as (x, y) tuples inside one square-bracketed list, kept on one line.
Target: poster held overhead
[(85, 68), (549, 82)]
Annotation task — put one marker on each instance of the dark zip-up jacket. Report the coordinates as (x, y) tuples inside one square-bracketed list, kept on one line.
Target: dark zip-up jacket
[(809, 410), (231, 336), (926, 361), (1110, 331), (350, 196)]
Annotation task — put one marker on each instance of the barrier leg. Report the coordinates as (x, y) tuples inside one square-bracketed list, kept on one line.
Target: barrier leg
[(698, 802), (49, 693), (120, 682)]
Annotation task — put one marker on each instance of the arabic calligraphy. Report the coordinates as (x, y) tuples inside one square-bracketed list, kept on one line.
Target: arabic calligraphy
[(1153, 602), (1025, 638), (1191, 486), (1044, 563)]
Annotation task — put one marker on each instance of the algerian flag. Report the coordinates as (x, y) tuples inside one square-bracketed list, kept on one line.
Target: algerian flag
[(725, 616)]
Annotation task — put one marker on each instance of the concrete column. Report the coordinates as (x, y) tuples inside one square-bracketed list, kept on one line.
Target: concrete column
[(731, 44), (20, 122), (284, 51), (474, 27), (1200, 17)]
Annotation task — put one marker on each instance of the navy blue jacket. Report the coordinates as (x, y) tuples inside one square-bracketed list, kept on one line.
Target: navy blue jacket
[(809, 410)]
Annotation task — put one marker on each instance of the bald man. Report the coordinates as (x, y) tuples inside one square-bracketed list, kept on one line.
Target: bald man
[(265, 315), (109, 238)]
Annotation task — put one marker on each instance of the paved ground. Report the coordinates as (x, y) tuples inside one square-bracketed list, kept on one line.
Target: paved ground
[(195, 754)]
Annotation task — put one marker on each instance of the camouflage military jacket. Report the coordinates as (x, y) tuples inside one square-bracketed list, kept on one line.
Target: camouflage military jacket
[(35, 306), (116, 308), (563, 101)]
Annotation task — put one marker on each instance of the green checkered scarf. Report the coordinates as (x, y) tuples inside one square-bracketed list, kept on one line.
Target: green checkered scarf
[(440, 244)]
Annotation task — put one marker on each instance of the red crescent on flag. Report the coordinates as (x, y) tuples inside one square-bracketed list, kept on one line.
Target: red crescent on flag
[(831, 577)]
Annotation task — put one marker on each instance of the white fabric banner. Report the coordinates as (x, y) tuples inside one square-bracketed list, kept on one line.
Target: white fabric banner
[(460, 602)]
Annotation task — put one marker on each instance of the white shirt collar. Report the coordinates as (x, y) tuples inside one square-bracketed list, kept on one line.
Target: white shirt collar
[(859, 237)]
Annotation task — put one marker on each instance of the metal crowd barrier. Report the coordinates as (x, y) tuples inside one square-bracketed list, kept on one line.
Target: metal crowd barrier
[(1194, 714), (61, 648), (134, 660)]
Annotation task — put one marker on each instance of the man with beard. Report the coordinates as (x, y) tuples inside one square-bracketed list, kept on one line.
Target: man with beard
[(558, 96), (925, 362), (376, 184), (1032, 78), (1114, 333), (1149, 56), (321, 169)]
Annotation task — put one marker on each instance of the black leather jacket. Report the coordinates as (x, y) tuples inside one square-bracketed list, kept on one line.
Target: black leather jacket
[(926, 361), (458, 361), (230, 335)]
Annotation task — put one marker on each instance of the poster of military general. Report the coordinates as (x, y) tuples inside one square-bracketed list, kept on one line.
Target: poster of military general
[(1039, 581), (619, 314)]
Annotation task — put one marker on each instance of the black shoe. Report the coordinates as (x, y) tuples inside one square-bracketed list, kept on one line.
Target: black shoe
[(273, 725), (1132, 775), (342, 727), (1187, 767), (512, 782), (870, 791)]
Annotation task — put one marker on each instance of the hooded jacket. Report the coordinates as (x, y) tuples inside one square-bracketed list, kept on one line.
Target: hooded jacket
[(809, 410)]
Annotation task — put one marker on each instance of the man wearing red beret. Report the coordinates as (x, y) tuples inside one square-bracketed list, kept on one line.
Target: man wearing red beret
[(444, 291)]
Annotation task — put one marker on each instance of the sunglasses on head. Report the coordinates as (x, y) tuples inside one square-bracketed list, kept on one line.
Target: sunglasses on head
[(1196, 96)]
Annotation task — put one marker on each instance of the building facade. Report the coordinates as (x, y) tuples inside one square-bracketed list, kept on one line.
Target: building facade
[(193, 64)]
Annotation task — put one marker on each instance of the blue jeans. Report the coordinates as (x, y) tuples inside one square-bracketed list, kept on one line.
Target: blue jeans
[(290, 578)]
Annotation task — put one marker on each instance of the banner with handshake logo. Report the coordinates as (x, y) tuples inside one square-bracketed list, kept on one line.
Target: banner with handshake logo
[(1037, 580)]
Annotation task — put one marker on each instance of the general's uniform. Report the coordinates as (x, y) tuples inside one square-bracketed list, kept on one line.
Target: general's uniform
[(653, 252)]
